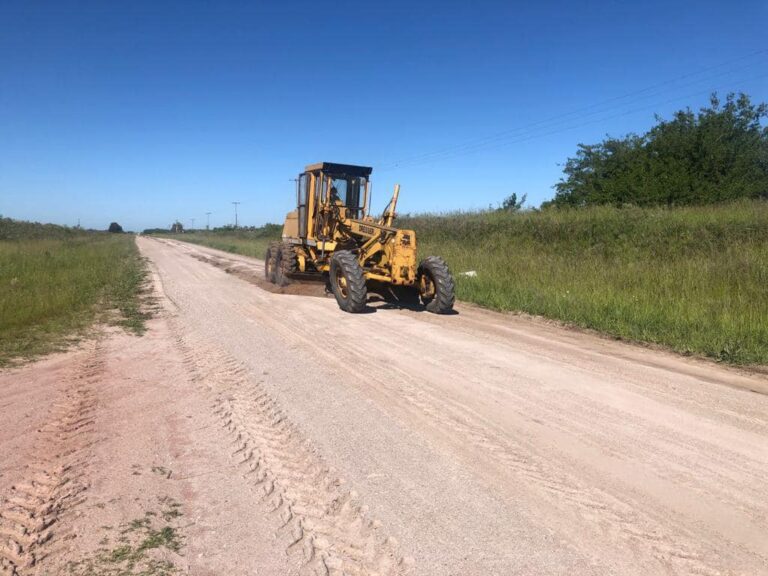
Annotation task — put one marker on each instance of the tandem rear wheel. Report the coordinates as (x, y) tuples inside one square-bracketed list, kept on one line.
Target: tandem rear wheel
[(280, 262)]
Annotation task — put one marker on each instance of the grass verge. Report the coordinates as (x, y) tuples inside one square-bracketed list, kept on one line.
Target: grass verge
[(690, 279), (55, 284)]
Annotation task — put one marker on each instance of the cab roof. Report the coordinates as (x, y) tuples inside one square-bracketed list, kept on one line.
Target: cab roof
[(334, 168)]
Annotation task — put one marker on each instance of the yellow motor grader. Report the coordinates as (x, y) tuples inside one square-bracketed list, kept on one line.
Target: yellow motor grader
[(331, 233)]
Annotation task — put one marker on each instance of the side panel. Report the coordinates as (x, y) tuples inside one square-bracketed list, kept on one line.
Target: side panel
[(291, 228)]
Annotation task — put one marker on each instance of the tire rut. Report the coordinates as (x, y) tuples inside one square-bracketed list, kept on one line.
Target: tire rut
[(54, 481), (325, 521), (621, 520)]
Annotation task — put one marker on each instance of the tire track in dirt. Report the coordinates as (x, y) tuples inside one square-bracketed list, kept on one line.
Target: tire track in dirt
[(327, 523), (55, 479), (622, 520)]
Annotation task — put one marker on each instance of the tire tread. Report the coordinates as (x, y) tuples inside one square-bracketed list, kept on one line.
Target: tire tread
[(445, 286), (356, 288)]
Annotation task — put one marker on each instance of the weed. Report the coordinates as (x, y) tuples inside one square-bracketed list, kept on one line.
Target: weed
[(141, 547)]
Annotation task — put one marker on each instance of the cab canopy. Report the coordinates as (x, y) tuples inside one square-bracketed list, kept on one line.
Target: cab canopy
[(334, 168), (324, 184)]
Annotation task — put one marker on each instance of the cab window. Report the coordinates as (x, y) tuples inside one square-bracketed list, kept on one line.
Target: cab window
[(348, 190)]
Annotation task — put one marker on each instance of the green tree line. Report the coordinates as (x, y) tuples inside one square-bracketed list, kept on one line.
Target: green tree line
[(715, 155)]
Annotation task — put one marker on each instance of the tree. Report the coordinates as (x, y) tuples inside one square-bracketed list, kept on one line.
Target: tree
[(177, 227), (115, 228), (512, 204), (719, 154)]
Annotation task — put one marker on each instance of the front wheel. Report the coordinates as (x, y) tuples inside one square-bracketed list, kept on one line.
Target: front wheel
[(436, 286), (348, 282)]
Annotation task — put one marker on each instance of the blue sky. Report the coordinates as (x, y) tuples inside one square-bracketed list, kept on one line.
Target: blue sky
[(147, 112)]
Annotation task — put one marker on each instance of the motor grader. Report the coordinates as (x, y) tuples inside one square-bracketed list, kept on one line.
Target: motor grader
[(332, 234)]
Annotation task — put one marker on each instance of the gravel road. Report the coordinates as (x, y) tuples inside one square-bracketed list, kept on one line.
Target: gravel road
[(300, 439)]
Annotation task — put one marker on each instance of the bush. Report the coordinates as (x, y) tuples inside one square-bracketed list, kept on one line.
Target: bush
[(717, 155)]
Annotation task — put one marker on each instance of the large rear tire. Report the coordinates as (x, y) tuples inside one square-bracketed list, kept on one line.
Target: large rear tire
[(270, 262), (436, 286), (287, 264), (348, 282)]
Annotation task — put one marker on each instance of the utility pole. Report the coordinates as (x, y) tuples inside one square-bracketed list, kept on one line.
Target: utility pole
[(193, 224), (208, 220), (236, 203)]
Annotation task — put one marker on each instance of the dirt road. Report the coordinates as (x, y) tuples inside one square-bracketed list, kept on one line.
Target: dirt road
[(293, 438)]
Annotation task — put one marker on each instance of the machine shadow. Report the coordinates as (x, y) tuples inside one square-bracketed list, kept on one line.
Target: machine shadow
[(377, 301)]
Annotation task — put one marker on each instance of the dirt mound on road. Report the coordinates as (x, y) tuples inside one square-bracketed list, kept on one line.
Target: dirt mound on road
[(300, 286)]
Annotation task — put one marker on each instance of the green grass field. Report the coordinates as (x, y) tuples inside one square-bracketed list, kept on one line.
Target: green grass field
[(691, 279), (55, 282)]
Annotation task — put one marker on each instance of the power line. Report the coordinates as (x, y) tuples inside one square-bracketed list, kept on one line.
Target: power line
[(634, 96), (506, 133), (558, 120), (496, 145)]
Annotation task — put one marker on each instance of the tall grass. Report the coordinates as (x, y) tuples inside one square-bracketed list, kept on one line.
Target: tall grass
[(691, 279), (52, 288)]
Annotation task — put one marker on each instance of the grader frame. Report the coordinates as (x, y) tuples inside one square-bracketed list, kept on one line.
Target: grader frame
[(332, 233)]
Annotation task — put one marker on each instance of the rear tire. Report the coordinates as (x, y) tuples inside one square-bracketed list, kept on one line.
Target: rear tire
[(287, 264), (348, 282), (436, 286), (270, 262)]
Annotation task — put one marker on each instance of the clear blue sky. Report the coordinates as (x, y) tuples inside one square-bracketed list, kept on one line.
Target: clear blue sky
[(143, 112)]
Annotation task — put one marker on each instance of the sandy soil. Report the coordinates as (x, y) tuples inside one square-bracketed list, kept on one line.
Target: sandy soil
[(272, 434)]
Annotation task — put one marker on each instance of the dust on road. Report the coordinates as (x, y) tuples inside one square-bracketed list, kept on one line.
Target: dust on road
[(295, 437)]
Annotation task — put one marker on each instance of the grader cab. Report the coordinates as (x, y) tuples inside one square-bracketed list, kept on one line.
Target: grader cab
[(331, 233)]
